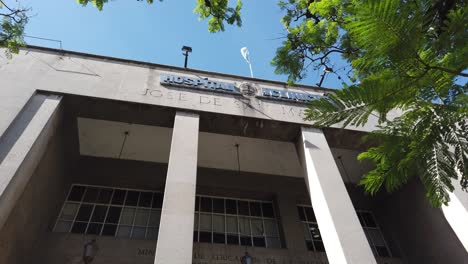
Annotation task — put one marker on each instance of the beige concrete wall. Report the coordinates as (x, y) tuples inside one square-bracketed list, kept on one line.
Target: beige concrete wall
[(102, 138), (288, 191), (422, 231), (34, 69), (33, 215)]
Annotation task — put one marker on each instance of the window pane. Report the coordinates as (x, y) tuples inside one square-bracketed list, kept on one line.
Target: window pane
[(91, 195), (76, 194), (271, 228), (259, 242), (300, 210), (104, 196), (376, 237), (368, 219), (94, 229), (219, 238), (205, 222), (231, 206), (310, 245), (231, 224), (99, 213), (273, 242), (124, 231), (157, 200), (218, 206), (267, 209), (257, 227), (244, 226), (246, 241), (113, 214), (63, 226), (152, 233), (195, 222), (382, 251), (307, 232), (127, 216), (132, 198), (145, 199), (141, 218), (205, 237), (232, 239), (109, 230), (69, 211), (197, 203), (218, 223), (255, 209), (84, 213), (155, 218), (139, 232), (315, 232), (118, 197), (310, 214), (319, 246), (79, 228), (243, 207), (361, 220), (205, 205)]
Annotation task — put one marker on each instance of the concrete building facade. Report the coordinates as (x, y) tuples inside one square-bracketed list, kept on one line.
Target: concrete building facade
[(105, 160)]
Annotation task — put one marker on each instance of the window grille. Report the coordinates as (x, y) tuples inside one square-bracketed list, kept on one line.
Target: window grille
[(236, 222)]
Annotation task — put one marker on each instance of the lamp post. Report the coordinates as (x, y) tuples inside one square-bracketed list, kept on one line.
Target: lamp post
[(325, 71), (186, 50), (246, 259), (89, 251)]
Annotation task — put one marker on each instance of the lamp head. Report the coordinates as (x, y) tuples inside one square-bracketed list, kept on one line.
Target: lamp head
[(186, 48)]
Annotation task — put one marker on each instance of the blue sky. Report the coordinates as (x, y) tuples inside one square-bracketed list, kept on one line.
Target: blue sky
[(155, 33)]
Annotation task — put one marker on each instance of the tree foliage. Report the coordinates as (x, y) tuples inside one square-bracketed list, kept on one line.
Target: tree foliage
[(12, 23), (407, 55)]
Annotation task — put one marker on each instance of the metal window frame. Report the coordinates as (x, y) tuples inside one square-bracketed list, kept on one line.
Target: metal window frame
[(303, 206), (109, 205), (249, 218), (377, 227)]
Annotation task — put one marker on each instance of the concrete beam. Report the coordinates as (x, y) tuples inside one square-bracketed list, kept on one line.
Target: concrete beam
[(22, 147), (175, 240), (342, 234)]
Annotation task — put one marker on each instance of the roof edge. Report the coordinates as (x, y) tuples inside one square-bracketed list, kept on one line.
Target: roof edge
[(76, 53)]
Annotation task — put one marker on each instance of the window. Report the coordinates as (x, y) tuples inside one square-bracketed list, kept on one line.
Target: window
[(314, 240), (108, 211), (373, 233), (236, 222), (311, 231)]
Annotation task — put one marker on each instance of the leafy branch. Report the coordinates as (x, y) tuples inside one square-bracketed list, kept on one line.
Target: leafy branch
[(12, 28)]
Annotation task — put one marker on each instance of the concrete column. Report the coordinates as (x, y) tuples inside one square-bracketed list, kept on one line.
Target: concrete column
[(22, 147), (175, 240), (456, 213), (342, 234)]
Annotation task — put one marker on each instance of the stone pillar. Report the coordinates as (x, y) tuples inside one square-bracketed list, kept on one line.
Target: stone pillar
[(342, 234), (22, 147), (456, 213), (175, 240)]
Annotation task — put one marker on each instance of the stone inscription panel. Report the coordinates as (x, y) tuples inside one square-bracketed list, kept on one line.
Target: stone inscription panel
[(206, 256)]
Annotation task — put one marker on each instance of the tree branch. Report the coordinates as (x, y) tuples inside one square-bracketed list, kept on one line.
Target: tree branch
[(459, 73)]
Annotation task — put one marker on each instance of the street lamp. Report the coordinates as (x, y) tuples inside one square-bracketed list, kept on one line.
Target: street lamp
[(246, 259), (186, 49), (89, 251)]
